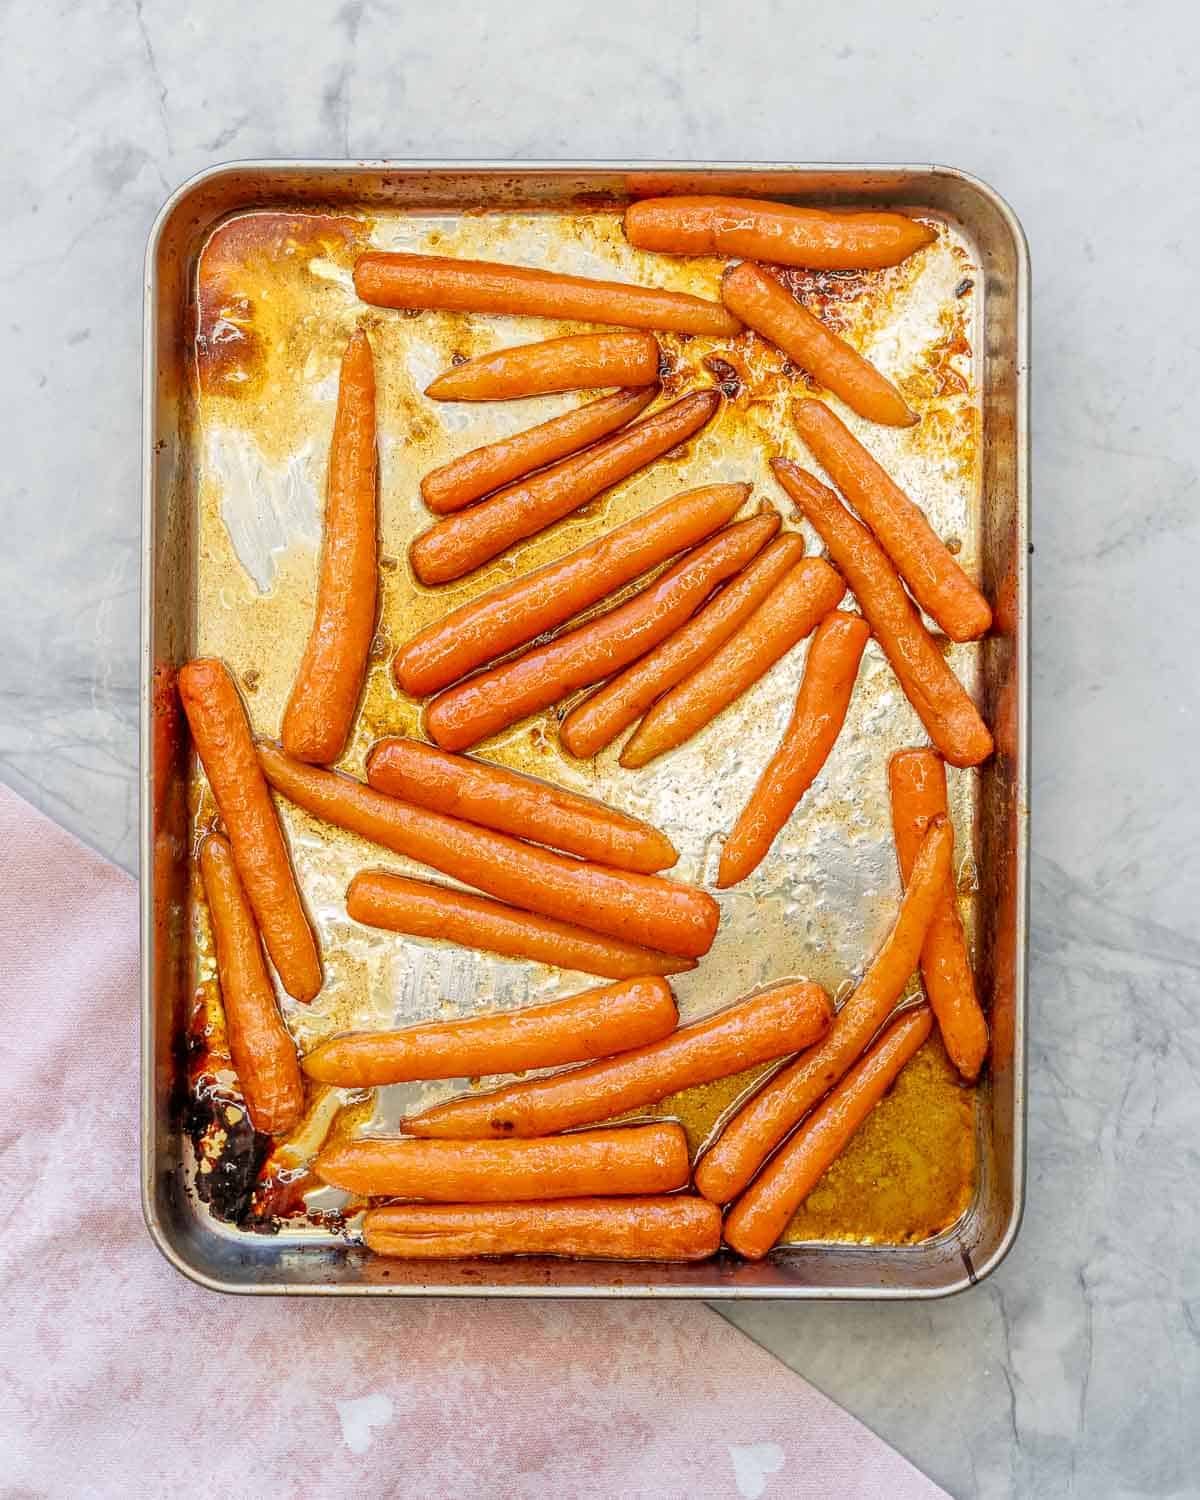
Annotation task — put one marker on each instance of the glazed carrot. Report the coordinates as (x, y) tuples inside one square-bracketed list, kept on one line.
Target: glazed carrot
[(759, 1217), (594, 1024), (760, 1125), (390, 279), (941, 701), (516, 804), (485, 469), (578, 362), (771, 310), (263, 1053), (422, 909), (937, 582), (221, 733), (777, 232), (789, 612), (516, 612), (665, 1229), (640, 908), (599, 719), (785, 1019), (917, 779), (492, 700), (816, 722), (459, 544)]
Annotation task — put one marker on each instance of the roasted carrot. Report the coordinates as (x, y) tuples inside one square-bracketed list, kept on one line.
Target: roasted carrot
[(485, 469), (599, 719), (761, 1124), (492, 700), (917, 779), (516, 804), (221, 733), (581, 361), (941, 701), (778, 1021), (760, 1216), (263, 1053), (771, 310), (460, 543), (937, 582), (516, 612), (793, 608), (620, 903), (666, 1229), (390, 279), (816, 722)]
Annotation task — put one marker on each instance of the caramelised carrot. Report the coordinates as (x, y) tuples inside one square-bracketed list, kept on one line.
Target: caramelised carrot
[(492, 700), (917, 779), (599, 719), (941, 701), (919, 555), (760, 1125), (221, 733), (772, 1024), (516, 804), (816, 722), (794, 607), (460, 543), (677, 1228), (485, 469), (263, 1053), (643, 909), (761, 1215), (578, 362), (516, 612), (779, 232), (423, 909), (771, 310), (392, 279)]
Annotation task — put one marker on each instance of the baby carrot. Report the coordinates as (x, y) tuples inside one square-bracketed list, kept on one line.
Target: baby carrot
[(937, 582), (917, 779), (516, 804), (816, 722), (492, 700), (789, 612), (460, 543), (581, 361), (761, 1215), (941, 701), (221, 733), (778, 1021)]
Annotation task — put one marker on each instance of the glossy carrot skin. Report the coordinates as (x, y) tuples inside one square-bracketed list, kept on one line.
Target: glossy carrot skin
[(643, 909), (771, 310), (221, 733), (492, 700), (520, 805), (580, 361), (424, 910), (263, 1053), (599, 719), (941, 701), (482, 470), (391, 279), (816, 722), (516, 612), (919, 555), (793, 608), (917, 779), (458, 544), (772, 1024), (757, 1220)]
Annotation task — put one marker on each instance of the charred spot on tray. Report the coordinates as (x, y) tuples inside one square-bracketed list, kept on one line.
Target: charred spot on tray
[(251, 679), (229, 1150), (964, 287), (727, 378), (459, 358)]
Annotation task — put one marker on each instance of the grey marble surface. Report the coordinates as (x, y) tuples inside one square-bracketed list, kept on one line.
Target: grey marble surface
[(1076, 1369)]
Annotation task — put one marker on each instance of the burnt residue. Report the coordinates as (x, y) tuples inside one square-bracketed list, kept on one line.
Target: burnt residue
[(230, 1153), (727, 378)]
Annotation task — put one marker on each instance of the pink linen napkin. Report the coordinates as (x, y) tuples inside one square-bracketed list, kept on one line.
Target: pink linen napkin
[(119, 1377)]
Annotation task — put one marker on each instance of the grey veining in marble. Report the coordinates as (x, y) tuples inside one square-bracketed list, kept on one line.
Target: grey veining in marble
[(1076, 1369)]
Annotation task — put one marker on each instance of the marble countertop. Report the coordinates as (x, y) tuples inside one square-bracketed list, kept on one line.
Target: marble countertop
[(1076, 1368)]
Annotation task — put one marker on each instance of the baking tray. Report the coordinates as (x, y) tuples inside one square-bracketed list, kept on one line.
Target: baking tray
[(830, 910)]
